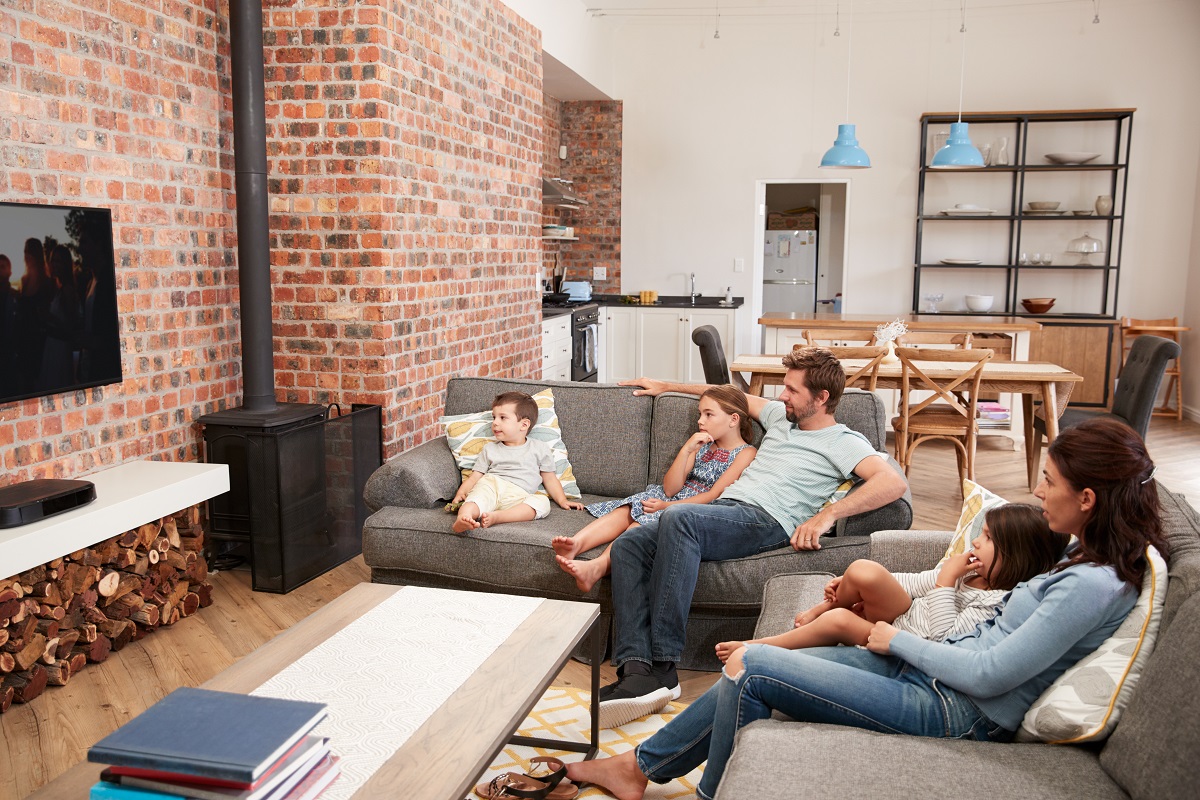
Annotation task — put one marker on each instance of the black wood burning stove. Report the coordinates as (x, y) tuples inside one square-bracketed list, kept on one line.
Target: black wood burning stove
[(296, 472)]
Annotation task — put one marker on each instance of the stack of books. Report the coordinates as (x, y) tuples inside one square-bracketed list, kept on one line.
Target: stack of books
[(993, 415), (196, 743)]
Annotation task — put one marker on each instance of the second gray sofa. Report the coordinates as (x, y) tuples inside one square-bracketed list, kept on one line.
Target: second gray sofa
[(618, 444)]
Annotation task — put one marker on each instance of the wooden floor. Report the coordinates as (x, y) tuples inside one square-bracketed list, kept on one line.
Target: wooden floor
[(42, 739)]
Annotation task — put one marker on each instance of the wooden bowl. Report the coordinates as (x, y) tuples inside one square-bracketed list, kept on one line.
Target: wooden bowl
[(1038, 305)]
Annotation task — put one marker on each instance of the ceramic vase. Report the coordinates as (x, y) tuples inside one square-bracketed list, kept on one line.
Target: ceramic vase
[(1104, 205), (891, 357)]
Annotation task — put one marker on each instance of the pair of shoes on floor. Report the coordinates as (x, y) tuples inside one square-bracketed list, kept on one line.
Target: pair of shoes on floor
[(546, 780), (640, 690)]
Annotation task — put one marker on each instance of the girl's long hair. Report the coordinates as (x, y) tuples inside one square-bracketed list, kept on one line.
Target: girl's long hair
[(1024, 544), (1108, 457), (732, 400)]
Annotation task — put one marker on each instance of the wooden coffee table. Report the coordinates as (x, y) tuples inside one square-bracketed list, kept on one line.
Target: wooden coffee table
[(445, 756)]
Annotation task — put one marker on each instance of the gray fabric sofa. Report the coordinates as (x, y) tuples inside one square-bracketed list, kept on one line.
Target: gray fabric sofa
[(618, 444), (1151, 754)]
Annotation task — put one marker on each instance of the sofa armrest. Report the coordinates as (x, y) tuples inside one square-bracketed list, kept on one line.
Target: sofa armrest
[(909, 551), (421, 477), (896, 515)]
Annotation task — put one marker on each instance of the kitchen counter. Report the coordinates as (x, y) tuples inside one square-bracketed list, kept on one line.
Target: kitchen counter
[(664, 301)]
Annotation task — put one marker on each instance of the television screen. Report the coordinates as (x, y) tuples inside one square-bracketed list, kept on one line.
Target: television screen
[(58, 300)]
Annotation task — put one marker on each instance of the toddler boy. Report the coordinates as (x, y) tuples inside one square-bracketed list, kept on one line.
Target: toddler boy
[(506, 476)]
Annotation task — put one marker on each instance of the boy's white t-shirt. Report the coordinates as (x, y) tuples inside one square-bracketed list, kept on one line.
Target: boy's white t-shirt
[(522, 465)]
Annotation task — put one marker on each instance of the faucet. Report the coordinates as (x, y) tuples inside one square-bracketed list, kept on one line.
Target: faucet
[(693, 295)]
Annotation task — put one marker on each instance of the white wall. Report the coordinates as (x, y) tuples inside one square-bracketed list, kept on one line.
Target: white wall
[(573, 37), (705, 119)]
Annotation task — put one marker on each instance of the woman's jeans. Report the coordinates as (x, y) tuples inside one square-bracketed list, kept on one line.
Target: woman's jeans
[(654, 569), (837, 685)]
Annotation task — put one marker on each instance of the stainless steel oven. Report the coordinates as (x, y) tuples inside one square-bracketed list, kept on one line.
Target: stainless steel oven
[(585, 329)]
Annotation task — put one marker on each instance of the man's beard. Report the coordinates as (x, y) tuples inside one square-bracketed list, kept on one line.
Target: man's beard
[(806, 412)]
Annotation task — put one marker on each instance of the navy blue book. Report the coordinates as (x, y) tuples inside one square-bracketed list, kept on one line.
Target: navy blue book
[(218, 735)]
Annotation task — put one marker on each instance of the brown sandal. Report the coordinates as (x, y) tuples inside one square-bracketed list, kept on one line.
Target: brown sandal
[(553, 772), (511, 785)]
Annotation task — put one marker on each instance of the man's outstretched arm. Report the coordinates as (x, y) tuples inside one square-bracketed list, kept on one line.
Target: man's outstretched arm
[(654, 387)]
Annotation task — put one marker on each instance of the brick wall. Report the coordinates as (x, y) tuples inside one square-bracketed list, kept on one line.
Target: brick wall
[(121, 105), (591, 132), (406, 147)]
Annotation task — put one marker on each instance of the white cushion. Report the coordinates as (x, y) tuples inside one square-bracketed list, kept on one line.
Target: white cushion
[(1086, 701), (468, 433)]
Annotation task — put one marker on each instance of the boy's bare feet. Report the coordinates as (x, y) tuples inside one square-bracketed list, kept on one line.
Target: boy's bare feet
[(464, 524), (805, 617), (585, 573), (565, 546), (726, 649), (619, 775)]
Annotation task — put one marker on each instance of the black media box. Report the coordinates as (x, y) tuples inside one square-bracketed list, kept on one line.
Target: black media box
[(30, 501)]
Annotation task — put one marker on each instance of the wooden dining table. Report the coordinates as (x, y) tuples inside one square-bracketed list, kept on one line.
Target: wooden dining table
[(1031, 379)]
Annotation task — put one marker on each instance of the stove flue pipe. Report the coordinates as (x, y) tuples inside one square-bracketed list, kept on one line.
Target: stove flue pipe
[(253, 220)]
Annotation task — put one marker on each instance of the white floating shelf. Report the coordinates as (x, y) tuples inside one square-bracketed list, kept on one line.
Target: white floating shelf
[(126, 496)]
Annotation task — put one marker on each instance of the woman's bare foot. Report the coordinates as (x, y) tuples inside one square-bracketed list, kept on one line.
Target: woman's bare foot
[(585, 573), (805, 617), (565, 546), (464, 524), (619, 775)]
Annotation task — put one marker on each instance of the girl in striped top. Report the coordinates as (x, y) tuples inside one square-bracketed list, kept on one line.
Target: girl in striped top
[(954, 597)]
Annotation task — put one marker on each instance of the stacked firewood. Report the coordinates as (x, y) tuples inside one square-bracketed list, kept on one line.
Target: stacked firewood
[(56, 618)]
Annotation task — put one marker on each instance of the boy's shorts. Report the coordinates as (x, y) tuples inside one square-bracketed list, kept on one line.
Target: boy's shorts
[(494, 493)]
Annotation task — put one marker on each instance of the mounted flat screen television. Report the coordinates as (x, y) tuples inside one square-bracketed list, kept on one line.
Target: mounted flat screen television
[(58, 300)]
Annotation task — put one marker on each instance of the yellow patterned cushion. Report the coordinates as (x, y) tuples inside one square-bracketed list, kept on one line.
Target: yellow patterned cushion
[(841, 491), (1086, 701), (468, 433), (977, 501)]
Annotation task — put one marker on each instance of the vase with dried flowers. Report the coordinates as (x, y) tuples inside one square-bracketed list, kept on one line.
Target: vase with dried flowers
[(887, 334)]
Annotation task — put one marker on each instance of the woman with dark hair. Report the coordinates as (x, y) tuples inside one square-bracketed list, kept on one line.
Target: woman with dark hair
[(1097, 485), (33, 311), (64, 324)]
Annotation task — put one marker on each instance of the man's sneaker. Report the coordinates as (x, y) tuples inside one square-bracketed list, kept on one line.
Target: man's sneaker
[(637, 694), (664, 673)]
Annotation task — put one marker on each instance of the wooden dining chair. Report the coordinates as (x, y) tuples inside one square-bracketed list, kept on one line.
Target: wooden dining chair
[(1167, 328), (956, 341), (869, 372), (948, 412), (837, 337)]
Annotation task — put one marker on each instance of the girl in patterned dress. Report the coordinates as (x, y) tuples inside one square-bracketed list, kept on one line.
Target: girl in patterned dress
[(709, 461)]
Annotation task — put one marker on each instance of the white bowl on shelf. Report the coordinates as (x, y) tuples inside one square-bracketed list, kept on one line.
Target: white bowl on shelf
[(979, 302)]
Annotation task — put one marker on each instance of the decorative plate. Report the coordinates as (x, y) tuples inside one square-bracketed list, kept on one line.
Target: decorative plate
[(968, 212), (1071, 158), (1029, 212), (962, 261)]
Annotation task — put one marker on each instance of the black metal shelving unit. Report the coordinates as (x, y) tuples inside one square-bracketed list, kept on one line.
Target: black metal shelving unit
[(1016, 222)]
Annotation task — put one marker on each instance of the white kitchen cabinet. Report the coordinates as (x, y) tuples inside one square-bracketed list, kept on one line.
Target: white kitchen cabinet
[(657, 342), (556, 348), (621, 349)]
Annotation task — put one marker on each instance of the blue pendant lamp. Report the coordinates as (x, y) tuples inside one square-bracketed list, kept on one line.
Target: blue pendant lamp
[(845, 153), (959, 152)]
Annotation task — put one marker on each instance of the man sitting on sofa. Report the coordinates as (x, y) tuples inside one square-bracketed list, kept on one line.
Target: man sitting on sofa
[(802, 459)]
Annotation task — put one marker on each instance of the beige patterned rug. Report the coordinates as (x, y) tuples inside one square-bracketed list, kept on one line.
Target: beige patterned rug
[(562, 713)]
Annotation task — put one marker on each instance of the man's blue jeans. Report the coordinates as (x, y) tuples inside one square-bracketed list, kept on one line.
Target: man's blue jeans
[(837, 685), (654, 570)]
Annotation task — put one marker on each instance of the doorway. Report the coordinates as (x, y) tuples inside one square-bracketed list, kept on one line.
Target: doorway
[(829, 201)]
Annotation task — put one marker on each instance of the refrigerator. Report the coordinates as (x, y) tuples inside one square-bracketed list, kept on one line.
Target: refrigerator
[(790, 271)]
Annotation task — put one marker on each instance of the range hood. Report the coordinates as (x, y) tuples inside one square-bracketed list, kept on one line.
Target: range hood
[(559, 192)]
